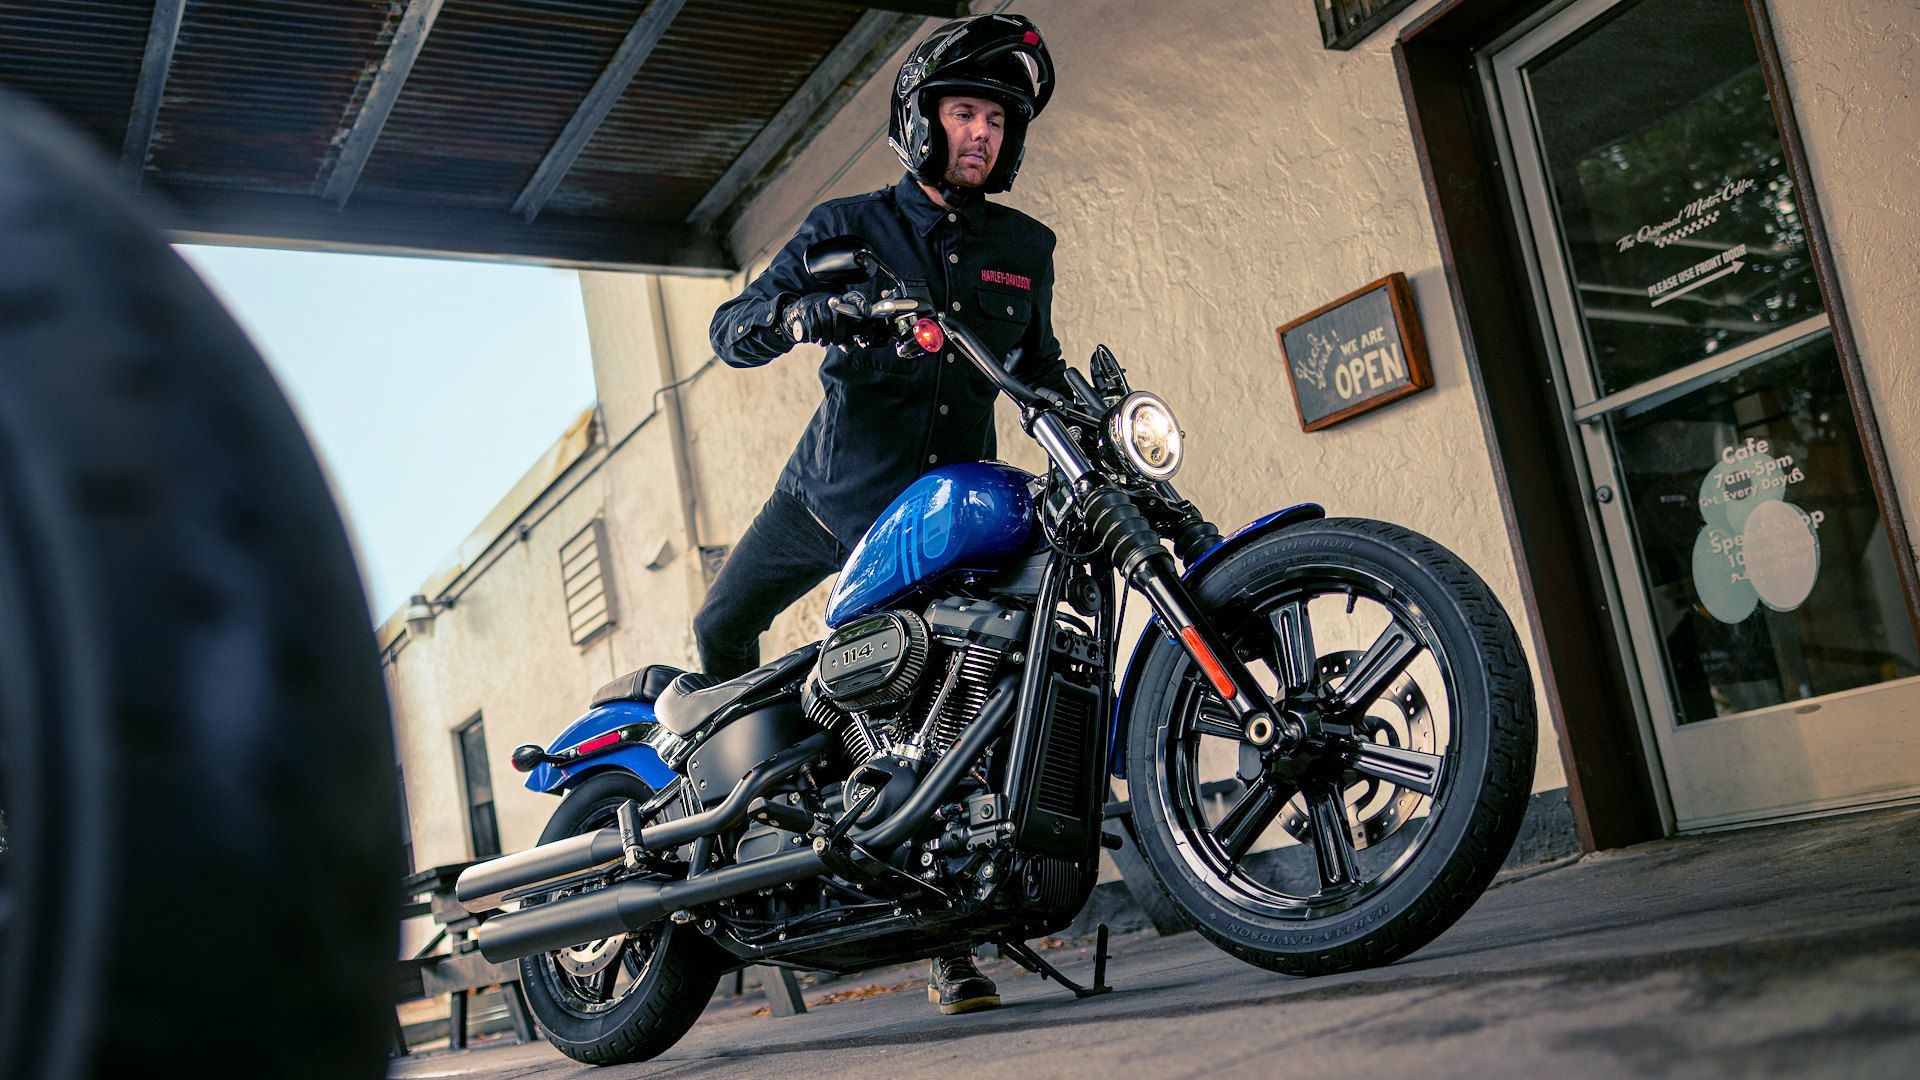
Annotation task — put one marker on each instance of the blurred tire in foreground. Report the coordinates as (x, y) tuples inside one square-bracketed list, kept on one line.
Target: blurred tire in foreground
[(196, 770)]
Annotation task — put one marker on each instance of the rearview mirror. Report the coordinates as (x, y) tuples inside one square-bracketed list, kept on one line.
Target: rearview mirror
[(840, 260)]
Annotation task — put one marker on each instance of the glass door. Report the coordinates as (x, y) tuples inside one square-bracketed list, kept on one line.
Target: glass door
[(1753, 578)]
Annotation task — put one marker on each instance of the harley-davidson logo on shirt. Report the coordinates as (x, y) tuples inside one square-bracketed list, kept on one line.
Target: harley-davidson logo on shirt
[(1001, 277)]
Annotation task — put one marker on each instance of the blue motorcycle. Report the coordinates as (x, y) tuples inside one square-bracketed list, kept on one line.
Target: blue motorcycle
[(1326, 729)]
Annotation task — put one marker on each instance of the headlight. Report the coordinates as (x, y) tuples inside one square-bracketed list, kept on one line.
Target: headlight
[(1143, 429)]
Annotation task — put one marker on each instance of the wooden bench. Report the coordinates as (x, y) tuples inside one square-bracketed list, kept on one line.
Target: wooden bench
[(459, 971)]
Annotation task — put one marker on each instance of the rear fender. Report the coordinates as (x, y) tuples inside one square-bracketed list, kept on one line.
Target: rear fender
[(642, 761), (1123, 701)]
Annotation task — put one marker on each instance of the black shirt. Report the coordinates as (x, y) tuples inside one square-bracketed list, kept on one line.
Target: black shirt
[(886, 420)]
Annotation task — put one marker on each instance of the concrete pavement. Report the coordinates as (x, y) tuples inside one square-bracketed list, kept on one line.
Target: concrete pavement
[(1792, 950)]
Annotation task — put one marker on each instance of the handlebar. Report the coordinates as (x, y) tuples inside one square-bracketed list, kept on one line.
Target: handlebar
[(846, 259)]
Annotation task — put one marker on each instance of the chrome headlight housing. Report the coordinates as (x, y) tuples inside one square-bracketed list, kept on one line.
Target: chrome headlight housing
[(1144, 432)]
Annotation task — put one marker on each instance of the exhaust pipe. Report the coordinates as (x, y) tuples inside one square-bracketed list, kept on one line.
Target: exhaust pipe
[(539, 870), (632, 905)]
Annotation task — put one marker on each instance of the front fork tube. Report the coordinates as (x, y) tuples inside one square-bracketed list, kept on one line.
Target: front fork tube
[(1134, 546)]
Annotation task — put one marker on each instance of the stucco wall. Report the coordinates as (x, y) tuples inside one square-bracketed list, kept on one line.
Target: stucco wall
[(1853, 72), (502, 653), (1207, 187)]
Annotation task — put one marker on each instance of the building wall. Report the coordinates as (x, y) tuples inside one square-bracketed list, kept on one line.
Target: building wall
[(1206, 187), (1853, 72)]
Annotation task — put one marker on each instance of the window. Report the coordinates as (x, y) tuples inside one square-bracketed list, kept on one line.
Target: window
[(584, 580), (481, 825), (1343, 23)]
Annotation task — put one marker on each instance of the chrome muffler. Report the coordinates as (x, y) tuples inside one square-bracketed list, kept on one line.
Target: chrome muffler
[(631, 905), (549, 867)]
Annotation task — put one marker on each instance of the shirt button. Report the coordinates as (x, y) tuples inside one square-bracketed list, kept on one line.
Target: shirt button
[(953, 258), (741, 329), (933, 459), (956, 305), (1009, 309), (953, 217), (949, 358), (943, 410)]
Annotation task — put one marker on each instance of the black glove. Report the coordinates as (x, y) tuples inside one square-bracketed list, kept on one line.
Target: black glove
[(814, 318)]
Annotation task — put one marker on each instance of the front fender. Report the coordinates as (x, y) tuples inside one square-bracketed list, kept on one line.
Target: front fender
[(642, 761), (1254, 530)]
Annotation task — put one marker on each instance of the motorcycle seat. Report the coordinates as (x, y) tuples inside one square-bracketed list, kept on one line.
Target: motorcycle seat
[(692, 698), (645, 685)]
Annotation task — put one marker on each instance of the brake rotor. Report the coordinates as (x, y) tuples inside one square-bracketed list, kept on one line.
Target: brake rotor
[(591, 958), (1400, 718)]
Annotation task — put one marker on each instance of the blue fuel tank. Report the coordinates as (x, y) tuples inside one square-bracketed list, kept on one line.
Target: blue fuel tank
[(975, 516)]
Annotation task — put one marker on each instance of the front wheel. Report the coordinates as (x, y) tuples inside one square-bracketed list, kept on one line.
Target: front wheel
[(1386, 824), (625, 998)]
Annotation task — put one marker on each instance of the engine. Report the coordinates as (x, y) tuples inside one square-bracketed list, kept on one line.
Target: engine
[(905, 684)]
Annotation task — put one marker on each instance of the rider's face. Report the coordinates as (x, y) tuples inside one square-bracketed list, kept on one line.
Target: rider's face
[(974, 128)]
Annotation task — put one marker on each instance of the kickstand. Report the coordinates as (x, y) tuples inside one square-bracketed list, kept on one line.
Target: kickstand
[(1033, 962)]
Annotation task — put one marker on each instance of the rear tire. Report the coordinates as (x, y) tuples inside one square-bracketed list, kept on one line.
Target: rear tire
[(658, 980), (1324, 907)]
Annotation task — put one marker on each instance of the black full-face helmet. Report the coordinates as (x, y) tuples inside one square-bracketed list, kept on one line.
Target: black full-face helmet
[(998, 57)]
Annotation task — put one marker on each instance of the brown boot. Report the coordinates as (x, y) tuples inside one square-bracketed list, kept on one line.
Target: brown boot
[(956, 985)]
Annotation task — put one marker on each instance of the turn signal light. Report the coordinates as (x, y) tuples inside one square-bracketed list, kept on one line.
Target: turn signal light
[(928, 335)]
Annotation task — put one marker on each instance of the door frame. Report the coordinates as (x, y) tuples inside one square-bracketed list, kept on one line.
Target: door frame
[(1593, 690)]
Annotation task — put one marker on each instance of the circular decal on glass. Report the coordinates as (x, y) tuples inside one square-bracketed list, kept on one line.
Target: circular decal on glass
[(1755, 546), (1727, 596), (1783, 554)]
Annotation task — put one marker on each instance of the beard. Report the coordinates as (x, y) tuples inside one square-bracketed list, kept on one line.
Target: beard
[(968, 173)]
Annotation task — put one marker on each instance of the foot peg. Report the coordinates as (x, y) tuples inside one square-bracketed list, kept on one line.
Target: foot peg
[(1032, 961)]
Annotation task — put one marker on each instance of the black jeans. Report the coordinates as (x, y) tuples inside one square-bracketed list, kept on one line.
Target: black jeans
[(781, 556)]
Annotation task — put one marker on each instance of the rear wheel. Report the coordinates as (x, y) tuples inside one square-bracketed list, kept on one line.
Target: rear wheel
[(1372, 837), (628, 997)]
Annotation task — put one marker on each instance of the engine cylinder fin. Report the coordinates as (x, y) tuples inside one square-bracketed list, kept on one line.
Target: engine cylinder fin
[(973, 682), (853, 732)]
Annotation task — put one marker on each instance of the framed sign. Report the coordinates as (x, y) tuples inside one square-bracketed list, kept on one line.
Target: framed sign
[(1356, 354)]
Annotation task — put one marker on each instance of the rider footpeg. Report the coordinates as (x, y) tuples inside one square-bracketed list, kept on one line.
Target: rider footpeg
[(1020, 954)]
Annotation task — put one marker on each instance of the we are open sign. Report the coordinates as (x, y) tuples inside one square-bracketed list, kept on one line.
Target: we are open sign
[(1358, 353)]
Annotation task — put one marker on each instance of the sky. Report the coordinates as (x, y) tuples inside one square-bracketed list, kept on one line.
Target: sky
[(427, 386)]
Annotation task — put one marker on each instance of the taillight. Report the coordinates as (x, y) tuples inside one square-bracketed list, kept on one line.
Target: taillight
[(598, 742), (928, 335)]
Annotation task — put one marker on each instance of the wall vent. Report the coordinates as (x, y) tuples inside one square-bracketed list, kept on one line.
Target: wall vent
[(586, 584)]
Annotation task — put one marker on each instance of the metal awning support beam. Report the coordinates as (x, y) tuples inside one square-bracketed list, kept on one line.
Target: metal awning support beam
[(162, 33), (408, 38), (931, 9), (870, 31), (373, 226), (647, 31)]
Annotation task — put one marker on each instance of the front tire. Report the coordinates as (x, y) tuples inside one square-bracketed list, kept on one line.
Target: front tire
[(1405, 804), (623, 999)]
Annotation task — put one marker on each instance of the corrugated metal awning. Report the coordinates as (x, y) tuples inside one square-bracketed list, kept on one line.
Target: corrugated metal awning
[(602, 133)]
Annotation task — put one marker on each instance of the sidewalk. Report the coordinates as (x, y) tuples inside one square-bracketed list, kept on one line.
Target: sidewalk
[(1791, 950)]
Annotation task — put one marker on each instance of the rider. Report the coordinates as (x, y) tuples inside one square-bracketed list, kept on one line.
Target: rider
[(961, 106)]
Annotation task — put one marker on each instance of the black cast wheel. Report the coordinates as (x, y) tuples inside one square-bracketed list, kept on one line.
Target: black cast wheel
[(628, 997), (1378, 830), (201, 833)]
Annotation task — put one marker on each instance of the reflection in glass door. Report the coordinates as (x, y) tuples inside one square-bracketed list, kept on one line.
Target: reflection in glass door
[(1701, 387)]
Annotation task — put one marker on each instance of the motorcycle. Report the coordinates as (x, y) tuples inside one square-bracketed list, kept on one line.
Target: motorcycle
[(1326, 728)]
